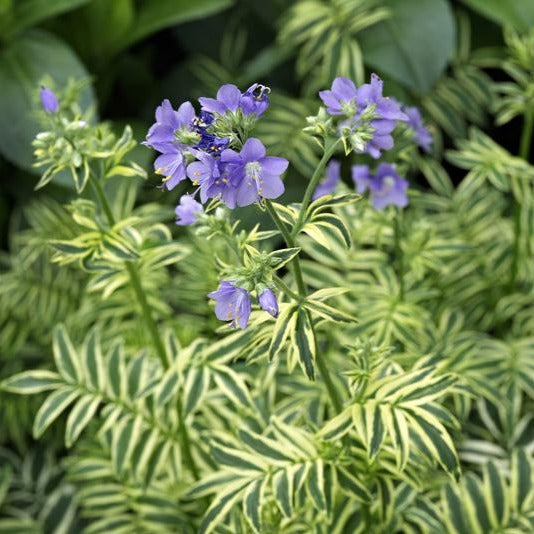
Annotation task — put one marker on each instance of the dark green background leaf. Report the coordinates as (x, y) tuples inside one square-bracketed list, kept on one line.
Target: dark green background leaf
[(516, 13), (23, 64), (414, 45)]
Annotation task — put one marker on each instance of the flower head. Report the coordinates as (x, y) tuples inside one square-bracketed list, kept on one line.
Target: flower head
[(232, 303), (330, 181), (48, 100), (385, 186), (370, 118), (422, 136), (250, 175), (173, 129), (255, 99), (268, 302), (187, 211), (387, 112), (341, 98), (230, 99)]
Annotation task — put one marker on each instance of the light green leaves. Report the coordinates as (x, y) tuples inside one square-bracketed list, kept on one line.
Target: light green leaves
[(281, 465), (79, 417), (322, 226), (403, 409), (326, 35), (494, 503), (281, 257), (66, 358), (52, 408), (488, 161), (31, 382), (304, 344), (414, 44)]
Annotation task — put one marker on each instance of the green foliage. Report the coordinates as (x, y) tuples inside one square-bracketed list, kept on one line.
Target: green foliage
[(24, 63), (516, 13), (394, 391), (414, 44), (326, 34)]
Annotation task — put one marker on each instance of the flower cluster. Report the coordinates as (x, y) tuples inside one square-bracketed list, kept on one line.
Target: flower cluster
[(385, 187), (365, 120), (213, 149), (368, 118), (233, 303), (71, 140)]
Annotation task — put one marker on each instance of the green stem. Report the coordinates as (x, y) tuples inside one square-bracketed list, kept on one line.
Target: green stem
[(327, 378), (524, 152), (290, 242), (283, 287), (136, 283), (289, 238), (398, 251), (152, 328), (329, 149), (526, 136)]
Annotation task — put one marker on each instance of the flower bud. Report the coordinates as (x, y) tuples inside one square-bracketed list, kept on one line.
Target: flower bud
[(48, 100), (268, 302)]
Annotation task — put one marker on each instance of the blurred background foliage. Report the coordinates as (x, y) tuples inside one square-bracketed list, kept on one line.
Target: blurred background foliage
[(137, 52)]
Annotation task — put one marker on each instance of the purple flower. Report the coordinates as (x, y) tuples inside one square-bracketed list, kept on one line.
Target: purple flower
[(422, 136), (212, 144), (171, 165), (250, 175), (187, 211), (48, 100), (228, 99), (232, 303), (255, 100), (205, 173), (340, 99), (344, 98), (386, 186), (203, 120), (268, 302), (172, 128), (361, 175), (388, 112), (329, 183)]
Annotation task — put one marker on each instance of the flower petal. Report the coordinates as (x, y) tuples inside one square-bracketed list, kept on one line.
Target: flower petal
[(229, 95), (273, 165), (212, 105), (271, 186), (252, 150)]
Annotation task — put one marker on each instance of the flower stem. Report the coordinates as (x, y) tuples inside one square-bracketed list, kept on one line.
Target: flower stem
[(290, 242), (524, 152), (289, 238), (329, 149), (526, 136), (148, 318)]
